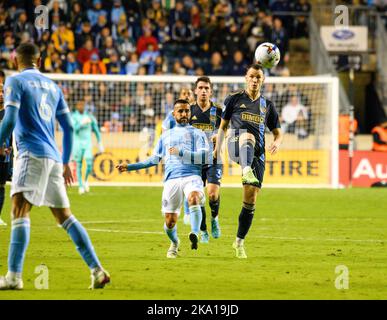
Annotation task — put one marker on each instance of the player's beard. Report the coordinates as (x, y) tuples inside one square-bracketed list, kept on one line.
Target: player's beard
[(182, 121)]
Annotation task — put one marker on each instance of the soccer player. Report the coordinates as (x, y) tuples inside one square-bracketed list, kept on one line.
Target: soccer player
[(5, 160), (206, 116), (32, 104), (184, 150), (84, 124), (249, 113)]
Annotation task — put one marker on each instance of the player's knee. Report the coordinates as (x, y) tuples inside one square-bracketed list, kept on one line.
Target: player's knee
[(213, 196), (246, 138), (194, 198)]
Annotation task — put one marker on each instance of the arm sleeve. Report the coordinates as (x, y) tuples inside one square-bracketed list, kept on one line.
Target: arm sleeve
[(272, 118), (150, 162), (227, 108), (12, 92), (62, 105), (8, 123), (68, 130), (94, 126)]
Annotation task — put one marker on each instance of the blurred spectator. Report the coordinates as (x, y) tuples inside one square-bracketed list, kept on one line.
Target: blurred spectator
[(148, 58), (125, 44), (23, 26), (86, 51), (155, 12), (107, 49), (302, 7), (187, 94), (63, 39), (56, 13), (94, 65), (133, 64), (84, 34), (77, 18), (102, 23), (280, 38), (379, 135), (216, 67), (167, 104), (177, 68), (117, 12), (183, 36), (115, 65), (294, 116), (100, 39), (5, 52), (97, 11), (114, 124), (235, 42), (89, 104), (146, 39), (238, 65), (189, 65), (72, 65), (178, 13)]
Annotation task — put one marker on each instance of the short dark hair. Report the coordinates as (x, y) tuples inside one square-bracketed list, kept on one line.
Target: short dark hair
[(203, 79), (254, 66), (183, 101), (27, 52)]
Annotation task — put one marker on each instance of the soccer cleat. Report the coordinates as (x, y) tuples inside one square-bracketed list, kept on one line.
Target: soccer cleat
[(81, 190), (249, 178), (87, 188), (10, 284), (193, 237), (239, 251), (187, 219), (99, 278), (2, 223), (204, 237), (215, 228), (173, 248)]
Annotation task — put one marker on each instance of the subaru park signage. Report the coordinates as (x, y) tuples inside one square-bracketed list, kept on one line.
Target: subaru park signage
[(345, 38)]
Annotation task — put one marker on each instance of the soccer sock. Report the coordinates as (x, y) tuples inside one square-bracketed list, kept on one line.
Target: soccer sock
[(246, 154), (245, 220), (89, 168), (186, 206), (20, 237), (195, 213), (171, 233), (214, 205), (203, 224), (79, 173), (82, 241), (2, 192)]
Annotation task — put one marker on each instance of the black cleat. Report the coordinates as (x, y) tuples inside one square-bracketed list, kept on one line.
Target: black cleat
[(193, 237)]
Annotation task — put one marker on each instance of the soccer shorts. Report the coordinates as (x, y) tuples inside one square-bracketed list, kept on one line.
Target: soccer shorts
[(258, 165), (212, 173), (40, 180), (79, 153), (175, 190)]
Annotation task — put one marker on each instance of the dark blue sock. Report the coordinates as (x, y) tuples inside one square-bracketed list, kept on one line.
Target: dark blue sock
[(214, 205), (2, 192), (245, 220), (203, 225), (246, 154)]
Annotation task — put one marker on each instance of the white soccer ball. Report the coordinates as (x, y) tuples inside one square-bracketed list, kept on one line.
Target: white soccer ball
[(267, 55)]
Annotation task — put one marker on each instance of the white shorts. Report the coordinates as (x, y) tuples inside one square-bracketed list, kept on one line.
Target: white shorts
[(40, 180), (175, 190)]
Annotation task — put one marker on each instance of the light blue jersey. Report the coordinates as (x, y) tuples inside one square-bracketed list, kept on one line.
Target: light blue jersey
[(193, 147), (39, 101)]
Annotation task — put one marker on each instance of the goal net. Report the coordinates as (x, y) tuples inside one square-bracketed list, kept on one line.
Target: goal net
[(130, 110)]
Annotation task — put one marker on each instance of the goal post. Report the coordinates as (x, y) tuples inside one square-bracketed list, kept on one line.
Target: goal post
[(130, 109)]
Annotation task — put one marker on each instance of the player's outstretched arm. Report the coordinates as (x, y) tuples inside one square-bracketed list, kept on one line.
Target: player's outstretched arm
[(220, 137), (97, 132), (150, 162), (278, 137)]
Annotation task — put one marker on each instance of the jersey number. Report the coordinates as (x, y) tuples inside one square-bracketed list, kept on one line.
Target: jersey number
[(45, 110)]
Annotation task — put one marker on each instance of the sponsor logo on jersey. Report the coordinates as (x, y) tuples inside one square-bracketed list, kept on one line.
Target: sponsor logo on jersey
[(194, 118), (254, 118), (263, 109), (203, 126), (242, 106)]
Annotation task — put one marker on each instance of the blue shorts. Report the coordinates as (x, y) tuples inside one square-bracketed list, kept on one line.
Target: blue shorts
[(258, 165), (212, 173)]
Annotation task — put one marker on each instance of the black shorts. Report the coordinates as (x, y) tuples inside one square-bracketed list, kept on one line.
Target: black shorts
[(258, 164), (5, 171), (212, 173)]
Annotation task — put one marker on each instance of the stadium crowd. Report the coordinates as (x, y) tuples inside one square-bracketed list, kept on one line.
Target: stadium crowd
[(213, 37)]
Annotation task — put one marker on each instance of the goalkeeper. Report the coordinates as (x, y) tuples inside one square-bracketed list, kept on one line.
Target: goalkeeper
[(84, 123)]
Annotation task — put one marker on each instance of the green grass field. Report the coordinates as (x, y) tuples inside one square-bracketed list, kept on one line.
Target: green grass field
[(297, 239)]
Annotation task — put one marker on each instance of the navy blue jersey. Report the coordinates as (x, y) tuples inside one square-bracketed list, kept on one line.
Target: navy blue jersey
[(251, 115)]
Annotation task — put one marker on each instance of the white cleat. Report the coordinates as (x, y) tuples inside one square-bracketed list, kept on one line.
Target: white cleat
[(87, 187), (81, 190), (6, 283), (173, 249), (99, 278), (187, 219), (2, 223)]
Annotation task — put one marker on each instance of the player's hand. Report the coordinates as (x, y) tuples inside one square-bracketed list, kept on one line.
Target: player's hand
[(67, 175), (5, 151), (173, 151), (122, 167), (273, 148)]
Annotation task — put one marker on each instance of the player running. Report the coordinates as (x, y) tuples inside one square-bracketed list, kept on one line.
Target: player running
[(206, 116), (32, 104), (249, 113), (184, 150), (84, 124)]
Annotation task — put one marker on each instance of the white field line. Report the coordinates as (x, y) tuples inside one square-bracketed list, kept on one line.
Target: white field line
[(251, 236)]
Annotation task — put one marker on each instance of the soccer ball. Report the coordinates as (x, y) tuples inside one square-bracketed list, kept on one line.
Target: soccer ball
[(267, 55)]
